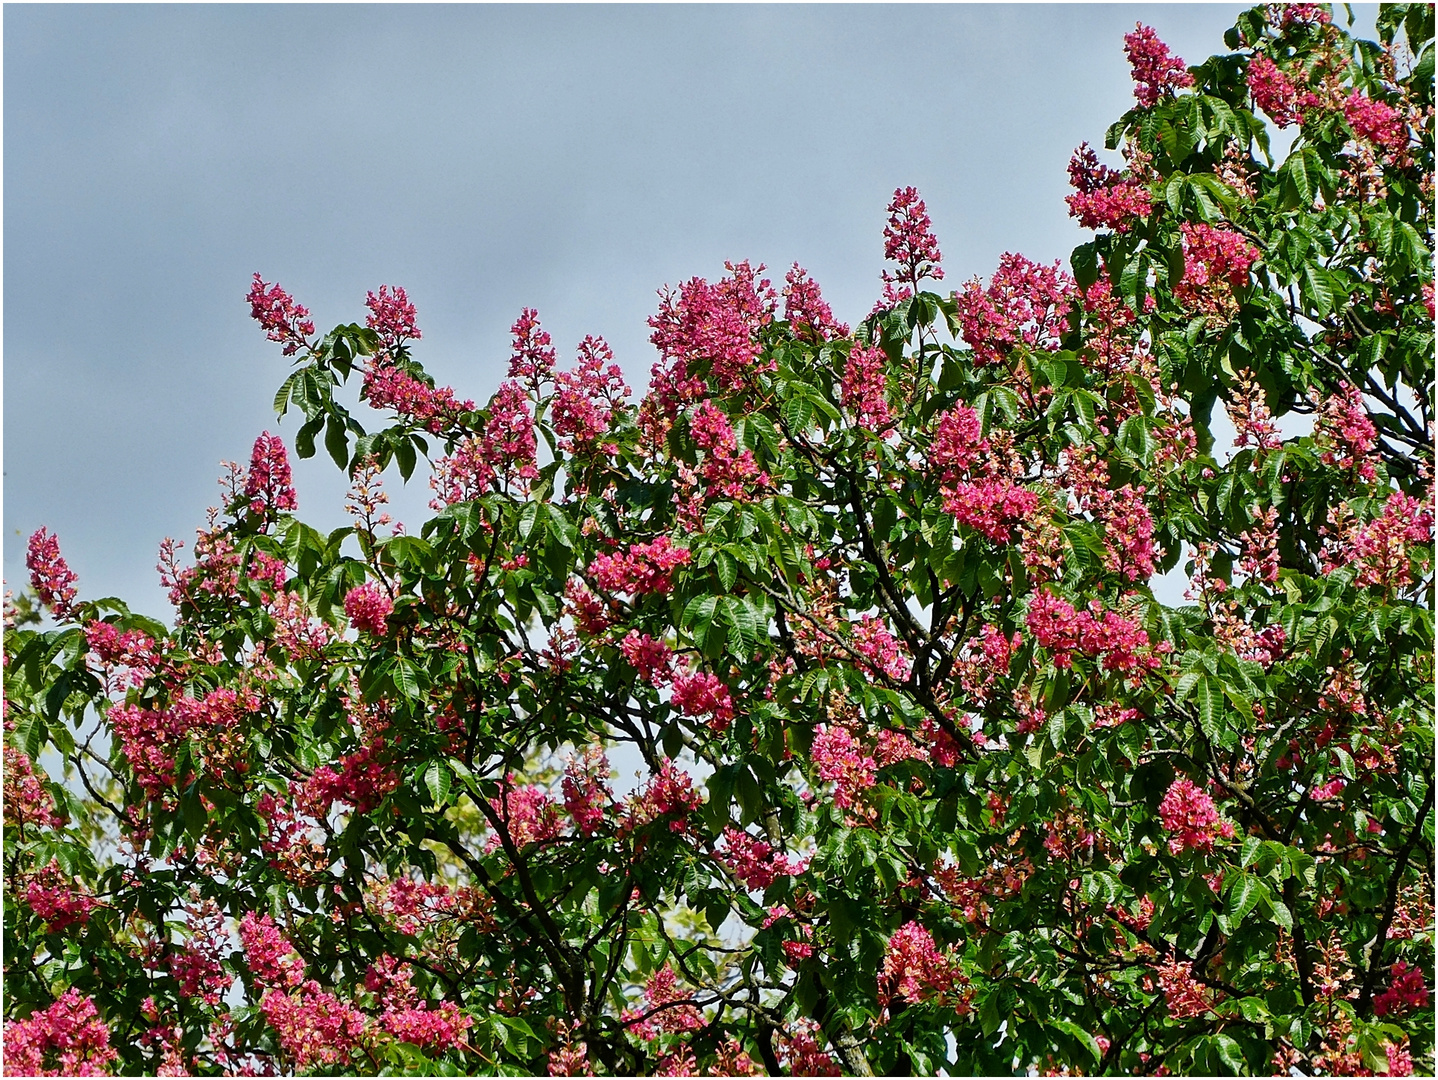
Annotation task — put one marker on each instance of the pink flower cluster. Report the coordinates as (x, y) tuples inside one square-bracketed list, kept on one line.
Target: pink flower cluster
[(800, 1053), (368, 606), (805, 309), (533, 357), (700, 695), (392, 317), (1272, 91), (283, 321), (670, 793), (1346, 432), (884, 652), (527, 815), (755, 862), (909, 241), (1406, 990), (715, 323), (1122, 643), (1376, 121), (839, 759), (150, 738), (958, 443), (1156, 73), (651, 657), (1103, 198), (1128, 535), (67, 1039), (1026, 303), (644, 568), (53, 896), (587, 798), (268, 484), (585, 398), (50, 576), (26, 801), (364, 778), (729, 473), (408, 1018), (269, 956), (198, 964), (1215, 261), (914, 968), (506, 450), (865, 388), (1188, 812), (389, 386), (667, 1012), (1182, 993), (990, 507), (313, 1026), (1380, 549)]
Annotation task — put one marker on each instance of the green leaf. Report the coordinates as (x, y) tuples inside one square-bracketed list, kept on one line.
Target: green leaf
[(1244, 893), (437, 780)]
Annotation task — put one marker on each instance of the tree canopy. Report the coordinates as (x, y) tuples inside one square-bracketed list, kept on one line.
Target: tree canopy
[(931, 779)]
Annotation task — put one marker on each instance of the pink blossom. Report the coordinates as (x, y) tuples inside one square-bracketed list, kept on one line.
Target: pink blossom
[(364, 778), (990, 507), (1155, 72), (1128, 535), (800, 1053), (1406, 990), (25, 799), (756, 862), (1376, 121), (1215, 262), (714, 324), (1182, 993), (651, 657), (958, 443), (1188, 812), (533, 356), (508, 442), (54, 897), (50, 576), (391, 316), (587, 798), (838, 759), (368, 606), (389, 386), (283, 321), (570, 1059), (585, 398), (700, 695), (313, 1026), (1347, 432), (268, 485), (1400, 1061), (669, 793), (1305, 15), (909, 240), (865, 387), (270, 958), (1026, 303), (1272, 91), (1123, 644), (873, 641), (1103, 197), (67, 1039), (1380, 549), (914, 968), (805, 309), (527, 815), (198, 964), (644, 568)]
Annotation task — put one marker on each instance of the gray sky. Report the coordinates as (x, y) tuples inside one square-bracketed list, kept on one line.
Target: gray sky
[(572, 159)]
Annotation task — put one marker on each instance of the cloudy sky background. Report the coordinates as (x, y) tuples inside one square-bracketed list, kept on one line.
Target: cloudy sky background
[(572, 159)]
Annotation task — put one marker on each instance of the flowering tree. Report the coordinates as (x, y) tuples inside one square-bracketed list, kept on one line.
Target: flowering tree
[(933, 781)]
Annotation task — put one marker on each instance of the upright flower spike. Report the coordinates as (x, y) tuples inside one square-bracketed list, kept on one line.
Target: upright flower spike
[(50, 576), (268, 484), (1156, 73), (392, 317), (282, 319), (909, 241)]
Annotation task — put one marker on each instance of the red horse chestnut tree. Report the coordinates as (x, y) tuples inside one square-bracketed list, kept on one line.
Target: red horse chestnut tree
[(931, 779)]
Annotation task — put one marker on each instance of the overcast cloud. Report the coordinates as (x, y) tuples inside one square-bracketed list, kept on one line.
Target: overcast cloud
[(572, 159)]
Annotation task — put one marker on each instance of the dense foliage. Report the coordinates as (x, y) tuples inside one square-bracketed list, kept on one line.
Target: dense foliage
[(931, 779)]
